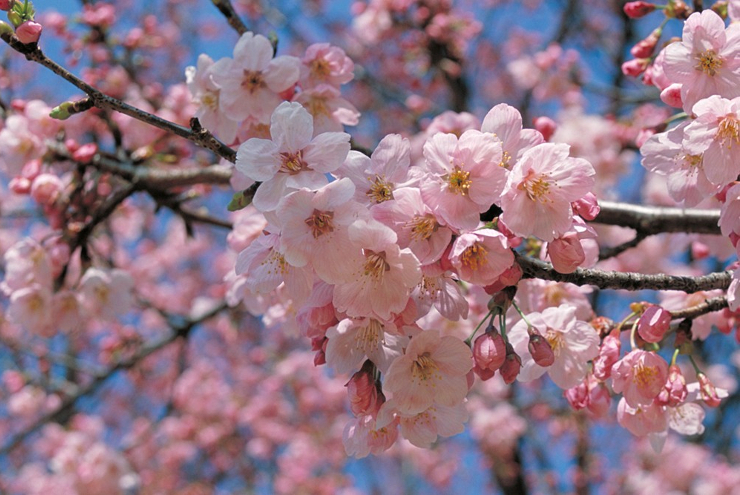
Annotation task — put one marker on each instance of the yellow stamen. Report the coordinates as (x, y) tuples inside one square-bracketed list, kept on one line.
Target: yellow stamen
[(709, 62), (320, 223)]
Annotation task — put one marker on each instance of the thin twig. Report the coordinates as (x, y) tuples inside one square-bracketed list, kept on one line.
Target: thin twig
[(225, 7)]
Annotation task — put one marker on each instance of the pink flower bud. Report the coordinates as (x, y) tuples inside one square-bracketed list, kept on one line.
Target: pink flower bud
[(85, 153), (489, 353), (566, 253), (362, 391), (577, 396), (6, 4), (674, 393), (635, 10), (644, 48), (707, 390), (699, 250), (46, 189), (599, 400), (512, 365), (635, 67), (654, 323), (608, 355), (671, 96), (546, 126), (20, 185), (540, 349), (29, 32), (587, 207)]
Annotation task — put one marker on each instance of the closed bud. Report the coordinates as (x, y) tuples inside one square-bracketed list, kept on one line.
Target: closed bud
[(546, 126), (512, 365), (587, 207), (363, 391), (645, 48), (5, 28), (635, 67), (654, 323), (540, 349), (489, 353), (707, 390), (6, 4), (635, 10), (674, 392), (29, 32)]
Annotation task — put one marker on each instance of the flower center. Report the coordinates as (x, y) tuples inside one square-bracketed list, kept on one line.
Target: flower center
[(691, 162), (253, 80), (375, 264), (537, 187), (556, 340), (424, 368), (380, 189), (317, 106), (709, 62), (729, 130), (422, 228), (320, 223), (644, 376), (474, 256), (278, 265), (210, 100), (505, 159), (293, 162), (458, 181), (320, 68), (368, 337)]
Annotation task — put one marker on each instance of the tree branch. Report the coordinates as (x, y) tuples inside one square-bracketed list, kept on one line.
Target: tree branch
[(657, 219), (199, 136), (534, 268), (225, 7), (68, 403)]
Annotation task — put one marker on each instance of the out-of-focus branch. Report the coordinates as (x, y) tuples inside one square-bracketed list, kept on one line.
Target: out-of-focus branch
[(199, 136), (534, 268), (657, 219), (68, 403), (708, 306), (225, 7)]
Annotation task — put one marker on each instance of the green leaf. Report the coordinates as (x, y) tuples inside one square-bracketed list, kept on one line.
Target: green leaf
[(239, 202)]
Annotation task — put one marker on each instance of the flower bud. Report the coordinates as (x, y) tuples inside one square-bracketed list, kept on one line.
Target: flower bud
[(635, 10), (707, 390), (489, 353), (546, 126), (654, 323), (29, 32), (363, 392), (671, 95), (587, 207), (566, 253), (512, 365), (674, 392), (635, 67), (540, 349), (644, 48), (608, 355), (6, 4)]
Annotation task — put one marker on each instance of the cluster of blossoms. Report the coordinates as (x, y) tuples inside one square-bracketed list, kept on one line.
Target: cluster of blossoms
[(236, 96), (364, 256)]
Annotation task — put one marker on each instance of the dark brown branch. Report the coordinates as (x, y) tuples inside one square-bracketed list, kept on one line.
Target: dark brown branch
[(708, 306), (225, 7), (534, 268), (200, 137), (658, 219), (610, 252)]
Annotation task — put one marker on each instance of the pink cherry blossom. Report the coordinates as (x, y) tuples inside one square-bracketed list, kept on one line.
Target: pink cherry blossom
[(505, 122), (640, 376), (415, 223), (250, 83), (206, 94), (382, 277), (642, 420), (433, 370), (292, 158), (463, 177), (707, 59), (573, 343), (352, 341), (654, 323), (665, 154), (714, 132), (540, 189), (325, 64), (330, 111), (480, 257)]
